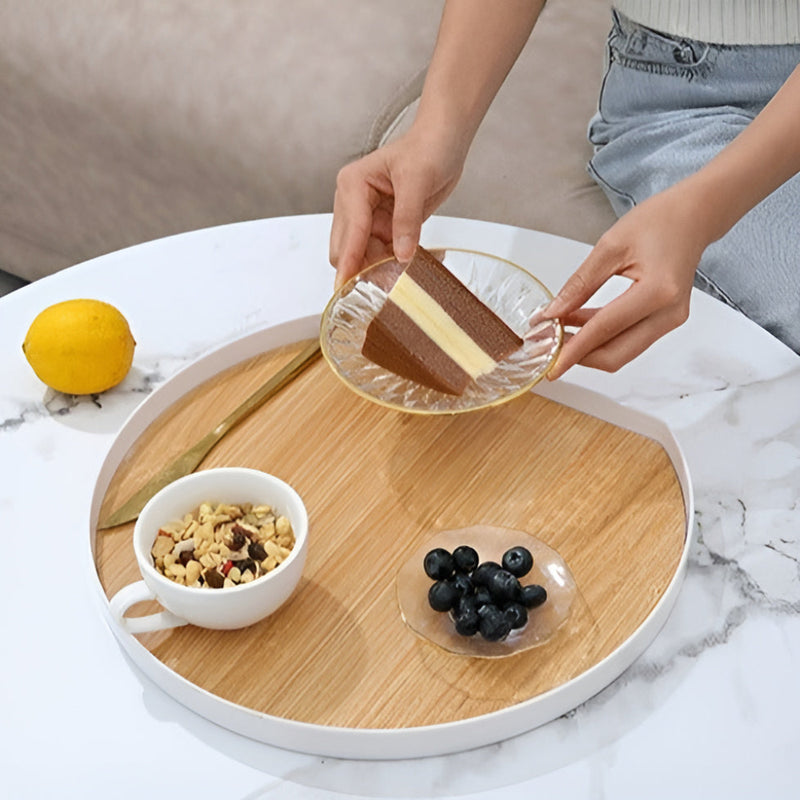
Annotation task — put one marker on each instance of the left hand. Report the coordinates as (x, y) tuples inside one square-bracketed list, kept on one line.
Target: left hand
[(657, 245)]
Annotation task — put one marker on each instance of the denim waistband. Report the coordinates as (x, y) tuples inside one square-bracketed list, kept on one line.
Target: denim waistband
[(639, 47)]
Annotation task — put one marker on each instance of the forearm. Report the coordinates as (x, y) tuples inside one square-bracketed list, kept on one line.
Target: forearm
[(477, 44), (760, 159)]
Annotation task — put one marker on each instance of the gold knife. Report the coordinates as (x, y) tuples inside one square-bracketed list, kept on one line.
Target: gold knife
[(189, 460)]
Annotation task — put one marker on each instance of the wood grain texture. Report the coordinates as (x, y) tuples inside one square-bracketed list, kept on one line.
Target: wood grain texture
[(377, 484)]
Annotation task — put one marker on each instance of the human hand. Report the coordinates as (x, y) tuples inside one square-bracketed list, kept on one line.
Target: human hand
[(383, 198), (657, 245)]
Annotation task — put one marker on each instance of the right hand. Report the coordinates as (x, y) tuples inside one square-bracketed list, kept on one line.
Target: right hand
[(383, 198)]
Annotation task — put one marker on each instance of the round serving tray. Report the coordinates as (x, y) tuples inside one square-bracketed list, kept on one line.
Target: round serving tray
[(336, 671)]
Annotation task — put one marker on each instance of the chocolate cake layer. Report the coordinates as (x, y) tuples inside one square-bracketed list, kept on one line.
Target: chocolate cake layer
[(479, 322), (396, 343)]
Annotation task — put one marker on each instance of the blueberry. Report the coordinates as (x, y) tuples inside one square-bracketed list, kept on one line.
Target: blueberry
[(467, 621), (466, 558), (480, 577), (532, 596), (516, 614), (518, 561), (439, 564), (486, 609), (442, 596), (504, 586), (482, 596), (462, 584), (493, 625), (464, 604)]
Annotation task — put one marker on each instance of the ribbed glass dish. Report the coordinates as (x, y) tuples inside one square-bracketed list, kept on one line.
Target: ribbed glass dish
[(515, 295)]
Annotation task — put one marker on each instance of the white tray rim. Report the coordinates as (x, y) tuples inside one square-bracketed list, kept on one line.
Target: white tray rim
[(396, 743)]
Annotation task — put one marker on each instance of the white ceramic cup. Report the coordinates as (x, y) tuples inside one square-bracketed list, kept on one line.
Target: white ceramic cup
[(226, 608)]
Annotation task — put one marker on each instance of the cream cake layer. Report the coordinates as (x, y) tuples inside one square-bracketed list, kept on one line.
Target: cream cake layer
[(440, 327), (479, 322)]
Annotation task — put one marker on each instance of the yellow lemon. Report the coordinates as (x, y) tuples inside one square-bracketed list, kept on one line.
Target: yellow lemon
[(80, 346)]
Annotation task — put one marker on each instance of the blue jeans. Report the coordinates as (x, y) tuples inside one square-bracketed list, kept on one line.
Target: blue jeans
[(667, 106)]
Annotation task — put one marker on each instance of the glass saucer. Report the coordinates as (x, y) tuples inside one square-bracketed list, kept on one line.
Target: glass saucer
[(515, 295), (549, 570)]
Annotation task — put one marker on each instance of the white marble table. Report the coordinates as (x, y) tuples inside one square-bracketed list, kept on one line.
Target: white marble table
[(710, 710)]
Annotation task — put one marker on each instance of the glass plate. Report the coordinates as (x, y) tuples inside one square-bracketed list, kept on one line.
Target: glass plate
[(549, 570), (511, 292)]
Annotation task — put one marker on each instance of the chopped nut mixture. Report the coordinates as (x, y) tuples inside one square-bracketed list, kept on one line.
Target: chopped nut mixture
[(220, 545)]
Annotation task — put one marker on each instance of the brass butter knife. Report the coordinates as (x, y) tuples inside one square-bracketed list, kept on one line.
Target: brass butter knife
[(189, 460)]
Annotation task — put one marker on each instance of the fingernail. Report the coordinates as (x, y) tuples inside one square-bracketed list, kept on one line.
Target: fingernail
[(404, 249), (554, 372), (552, 309), (338, 282)]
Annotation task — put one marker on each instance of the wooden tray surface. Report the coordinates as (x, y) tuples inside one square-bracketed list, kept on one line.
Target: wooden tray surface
[(377, 484)]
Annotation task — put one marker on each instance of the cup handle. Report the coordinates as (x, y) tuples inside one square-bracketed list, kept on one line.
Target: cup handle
[(136, 593)]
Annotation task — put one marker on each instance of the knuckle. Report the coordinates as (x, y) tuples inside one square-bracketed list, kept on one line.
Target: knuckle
[(681, 313), (611, 246), (606, 361), (668, 292), (345, 177), (576, 286), (674, 298)]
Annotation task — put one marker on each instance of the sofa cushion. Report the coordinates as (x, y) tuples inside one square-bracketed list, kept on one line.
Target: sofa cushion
[(123, 122), (130, 121)]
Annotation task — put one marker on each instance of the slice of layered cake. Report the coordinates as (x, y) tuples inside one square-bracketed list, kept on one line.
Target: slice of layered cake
[(435, 331)]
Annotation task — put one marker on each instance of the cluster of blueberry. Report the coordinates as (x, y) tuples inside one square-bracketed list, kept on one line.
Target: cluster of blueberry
[(487, 597)]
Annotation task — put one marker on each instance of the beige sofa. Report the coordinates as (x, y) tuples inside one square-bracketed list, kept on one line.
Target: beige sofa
[(126, 121)]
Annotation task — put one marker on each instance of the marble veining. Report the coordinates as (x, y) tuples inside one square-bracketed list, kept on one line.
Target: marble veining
[(709, 709), (141, 381)]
